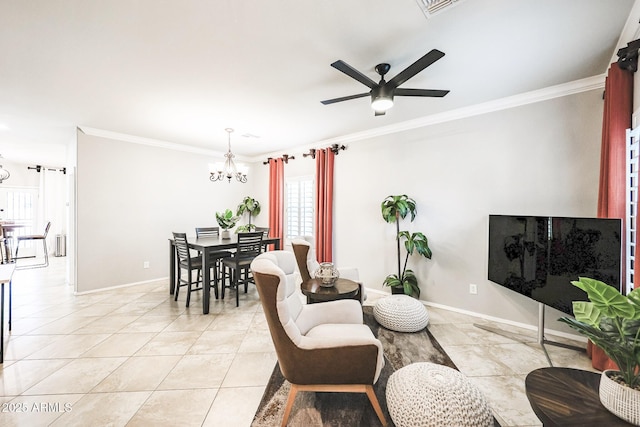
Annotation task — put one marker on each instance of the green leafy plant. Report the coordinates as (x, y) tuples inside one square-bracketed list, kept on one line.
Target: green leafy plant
[(612, 321), (252, 207), (226, 220), (395, 208)]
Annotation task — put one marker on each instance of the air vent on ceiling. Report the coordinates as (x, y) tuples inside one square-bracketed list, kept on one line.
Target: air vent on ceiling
[(432, 7)]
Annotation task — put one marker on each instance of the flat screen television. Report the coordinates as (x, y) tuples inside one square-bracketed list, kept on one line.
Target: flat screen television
[(539, 256)]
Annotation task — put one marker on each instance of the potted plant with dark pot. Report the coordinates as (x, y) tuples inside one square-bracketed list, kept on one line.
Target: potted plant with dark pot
[(226, 221), (250, 206), (612, 321), (395, 208)]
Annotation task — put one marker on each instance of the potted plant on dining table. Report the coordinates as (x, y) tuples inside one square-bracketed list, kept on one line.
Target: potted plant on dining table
[(226, 220), (612, 321)]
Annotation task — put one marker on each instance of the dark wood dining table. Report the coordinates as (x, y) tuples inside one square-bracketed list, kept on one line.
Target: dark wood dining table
[(6, 232), (206, 245)]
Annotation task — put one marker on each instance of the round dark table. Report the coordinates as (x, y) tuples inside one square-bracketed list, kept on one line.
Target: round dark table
[(568, 397), (341, 289)]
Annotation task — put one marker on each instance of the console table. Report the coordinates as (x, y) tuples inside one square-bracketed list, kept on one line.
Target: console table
[(568, 397)]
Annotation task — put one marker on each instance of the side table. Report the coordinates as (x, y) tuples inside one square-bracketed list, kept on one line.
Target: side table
[(568, 397), (341, 289)]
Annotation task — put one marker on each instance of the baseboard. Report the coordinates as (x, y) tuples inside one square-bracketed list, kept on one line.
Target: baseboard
[(547, 331)]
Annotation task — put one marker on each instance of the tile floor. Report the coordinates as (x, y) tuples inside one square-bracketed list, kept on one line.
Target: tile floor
[(134, 357)]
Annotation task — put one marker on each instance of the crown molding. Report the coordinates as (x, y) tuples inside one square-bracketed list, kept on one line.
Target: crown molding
[(147, 141), (532, 97)]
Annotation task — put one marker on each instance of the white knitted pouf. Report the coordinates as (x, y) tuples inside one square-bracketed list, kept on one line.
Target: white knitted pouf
[(401, 313), (426, 394)]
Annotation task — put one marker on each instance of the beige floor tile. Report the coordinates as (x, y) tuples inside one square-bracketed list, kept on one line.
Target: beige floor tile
[(169, 343), (212, 342), (138, 374), (198, 371), (232, 322), (19, 376), (185, 407), (69, 346), (250, 369), (63, 326), (257, 340), (103, 409), (107, 325), (135, 308), (234, 407), (477, 360), (19, 347), (120, 345), (78, 376), (188, 322), (148, 323)]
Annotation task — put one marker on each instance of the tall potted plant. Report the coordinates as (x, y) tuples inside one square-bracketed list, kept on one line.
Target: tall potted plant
[(395, 208), (612, 321), (251, 206), (226, 221)]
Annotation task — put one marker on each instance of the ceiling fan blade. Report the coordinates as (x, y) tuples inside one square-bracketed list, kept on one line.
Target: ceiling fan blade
[(420, 92), (379, 113), (344, 98), (415, 68), (353, 73)]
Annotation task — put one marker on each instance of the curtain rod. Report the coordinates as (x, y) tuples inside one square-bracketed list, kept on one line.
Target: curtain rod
[(38, 168), (335, 148), (285, 158)]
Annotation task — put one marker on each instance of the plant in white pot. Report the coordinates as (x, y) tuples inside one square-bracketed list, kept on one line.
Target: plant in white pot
[(226, 221), (250, 206), (395, 208), (612, 321)]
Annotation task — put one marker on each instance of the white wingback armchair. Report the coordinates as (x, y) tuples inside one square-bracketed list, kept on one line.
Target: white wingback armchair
[(316, 344), (305, 252)]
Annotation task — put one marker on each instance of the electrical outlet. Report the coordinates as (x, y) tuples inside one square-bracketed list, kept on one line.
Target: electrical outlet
[(473, 288), (146, 264)]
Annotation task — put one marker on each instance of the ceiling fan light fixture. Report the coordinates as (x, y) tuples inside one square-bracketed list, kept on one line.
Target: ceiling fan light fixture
[(381, 98), (381, 103)]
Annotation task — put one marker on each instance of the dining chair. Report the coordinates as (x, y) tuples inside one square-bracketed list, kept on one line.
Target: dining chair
[(265, 235), (35, 237), (188, 263), (215, 257), (248, 247)]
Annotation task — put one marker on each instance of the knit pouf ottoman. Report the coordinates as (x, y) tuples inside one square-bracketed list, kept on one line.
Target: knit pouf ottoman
[(401, 313), (426, 394)]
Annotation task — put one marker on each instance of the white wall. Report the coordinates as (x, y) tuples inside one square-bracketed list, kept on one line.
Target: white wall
[(539, 159), (130, 197)]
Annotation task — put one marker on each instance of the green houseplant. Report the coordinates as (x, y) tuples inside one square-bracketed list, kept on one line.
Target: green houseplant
[(395, 208), (250, 206), (226, 221), (612, 321)]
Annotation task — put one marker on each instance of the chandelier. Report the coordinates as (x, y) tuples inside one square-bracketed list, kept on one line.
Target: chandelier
[(4, 174), (228, 169)]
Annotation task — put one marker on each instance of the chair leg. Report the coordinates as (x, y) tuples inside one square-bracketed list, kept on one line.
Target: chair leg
[(188, 287), (376, 405), (290, 399), (46, 253)]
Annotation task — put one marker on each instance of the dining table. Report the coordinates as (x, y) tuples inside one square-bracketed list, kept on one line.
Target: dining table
[(205, 246), (6, 234)]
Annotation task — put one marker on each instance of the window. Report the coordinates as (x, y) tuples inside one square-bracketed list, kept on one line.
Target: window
[(299, 206), (633, 148)]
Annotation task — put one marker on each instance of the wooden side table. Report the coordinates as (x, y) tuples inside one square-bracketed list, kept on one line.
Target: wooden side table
[(568, 397), (342, 289)]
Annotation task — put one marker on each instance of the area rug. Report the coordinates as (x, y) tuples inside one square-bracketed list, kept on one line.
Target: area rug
[(350, 409)]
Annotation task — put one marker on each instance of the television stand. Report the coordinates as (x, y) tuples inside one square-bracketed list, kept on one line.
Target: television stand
[(541, 339)]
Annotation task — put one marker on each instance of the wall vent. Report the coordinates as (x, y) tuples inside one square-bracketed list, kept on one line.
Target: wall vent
[(433, 7)]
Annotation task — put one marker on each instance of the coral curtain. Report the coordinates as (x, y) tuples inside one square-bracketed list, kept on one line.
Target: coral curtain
[(276, 198), (324, 205), (618, 108)]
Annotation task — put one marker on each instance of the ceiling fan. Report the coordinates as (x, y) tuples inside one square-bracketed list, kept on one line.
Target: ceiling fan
[(382, 93)]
